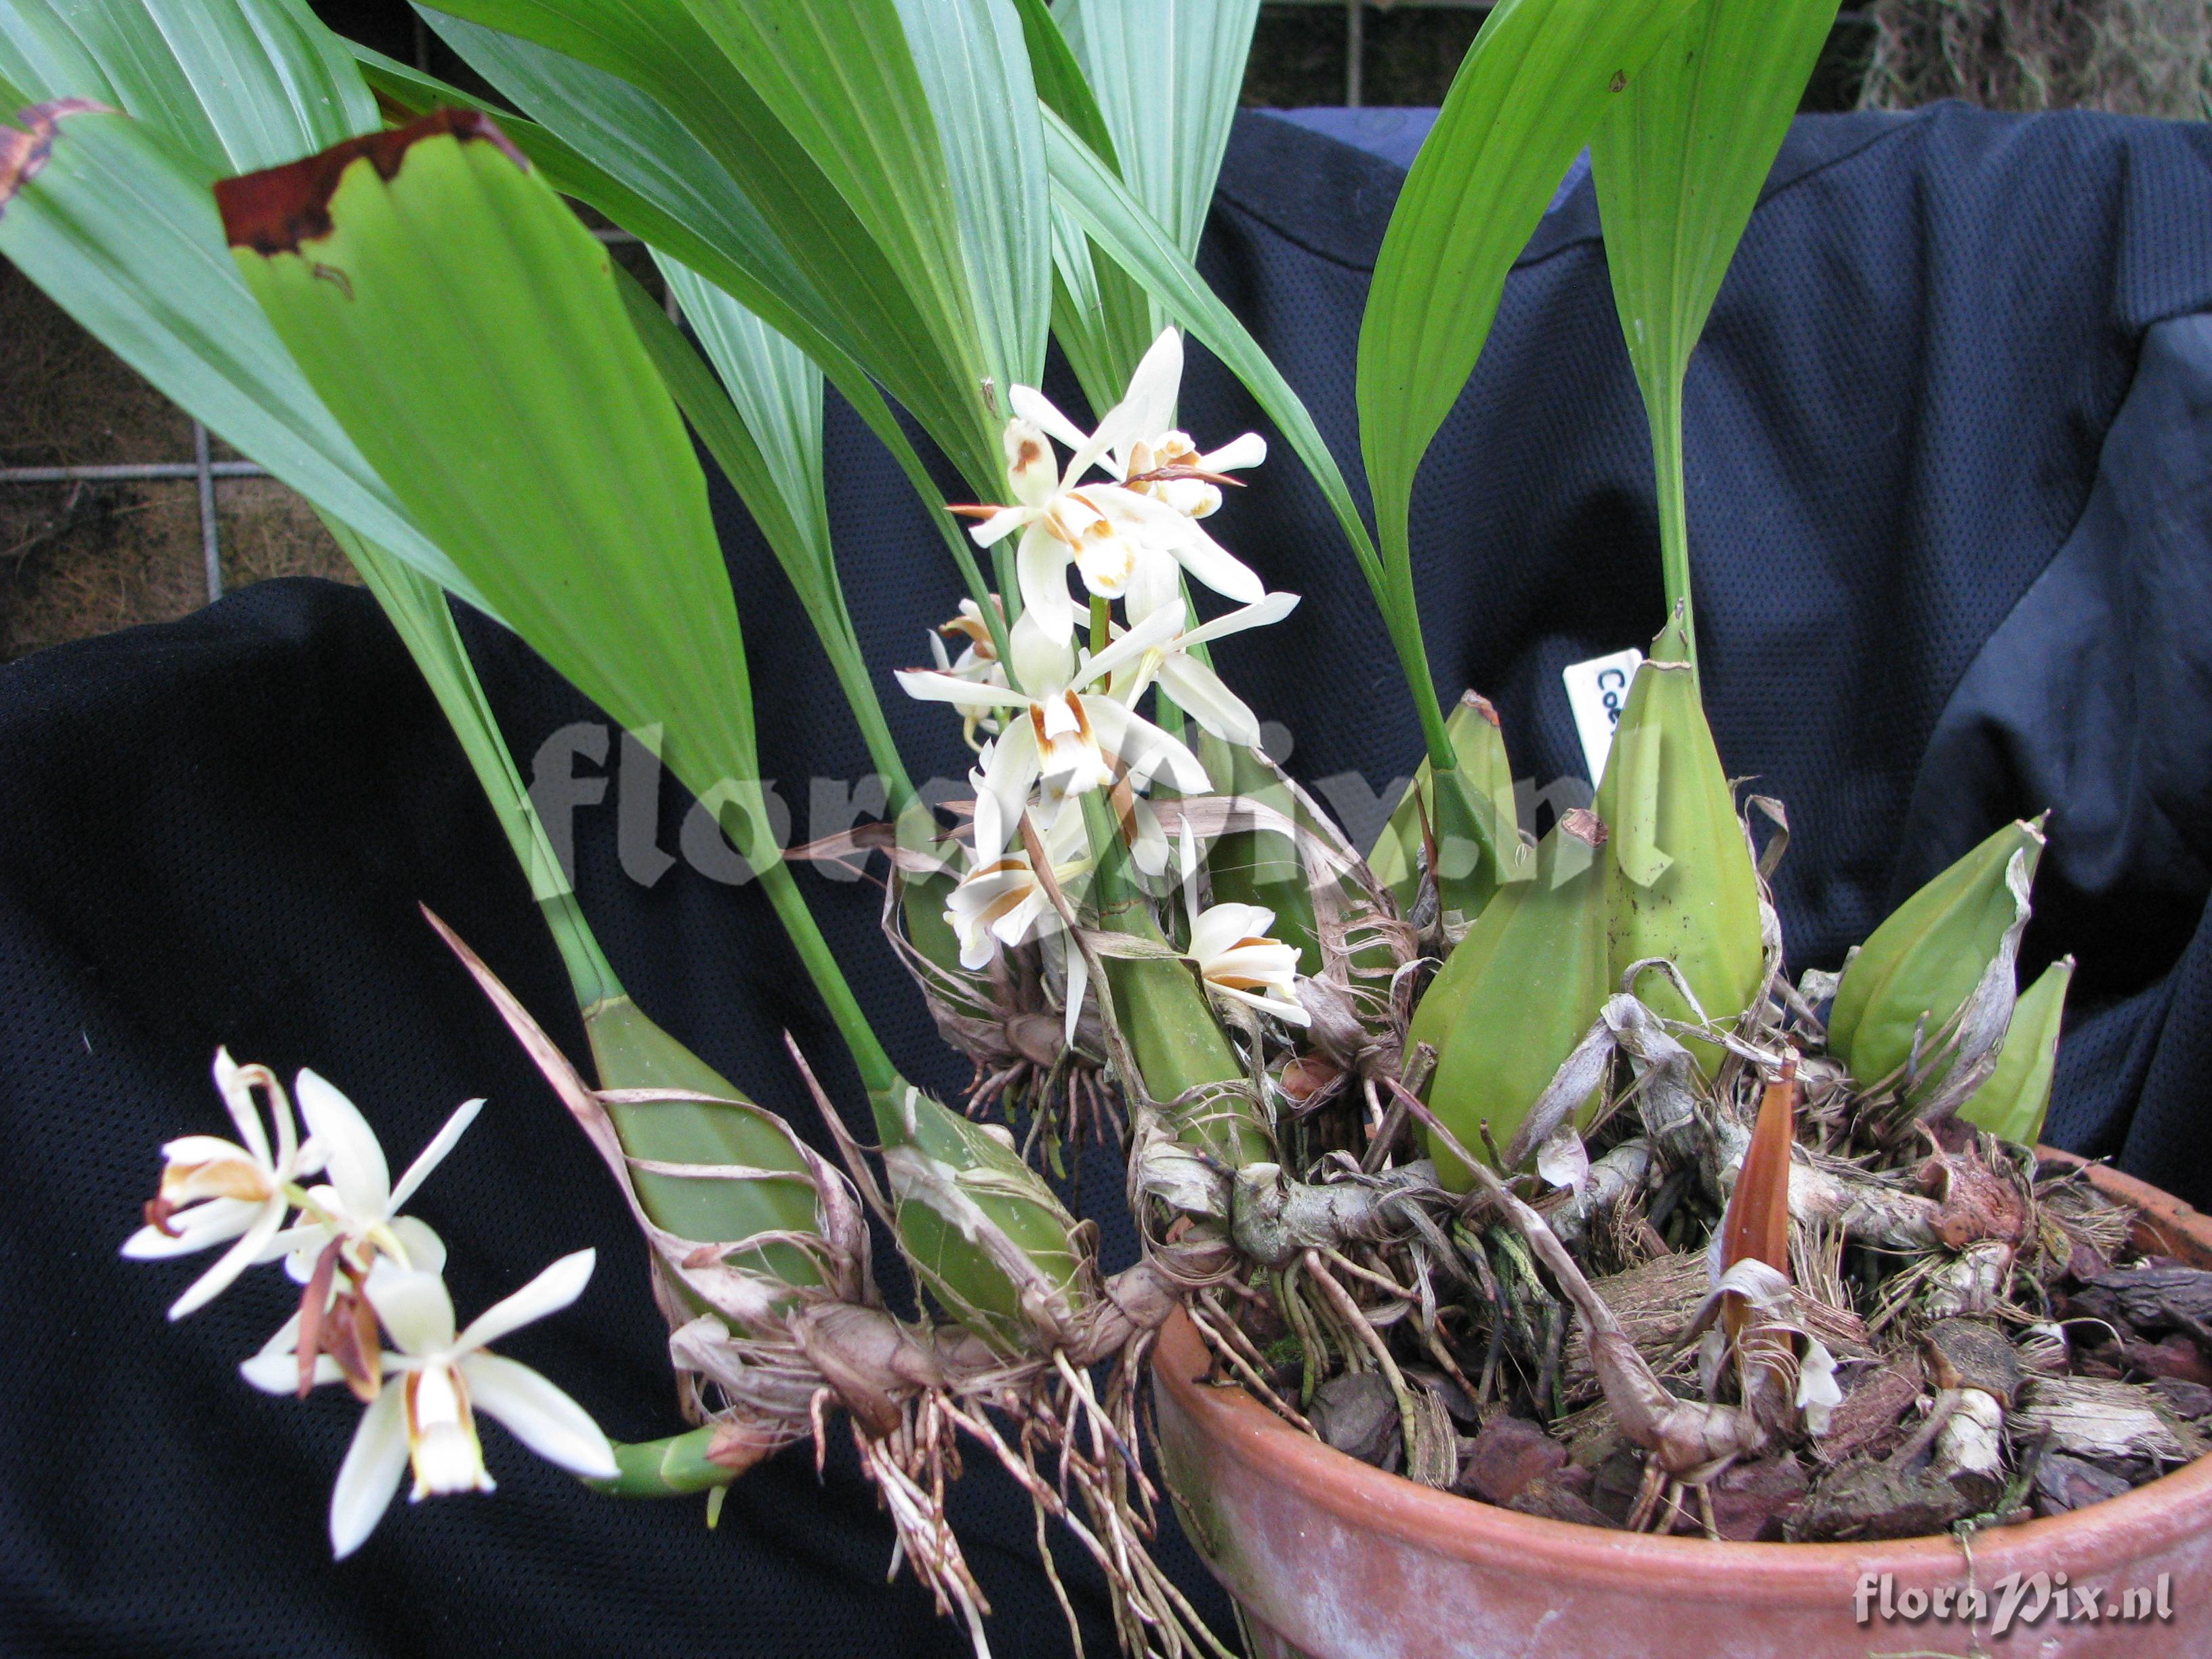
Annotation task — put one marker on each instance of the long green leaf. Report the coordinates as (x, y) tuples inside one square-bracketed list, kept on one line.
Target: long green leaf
[(1540, 77), (117, 227), (1114, 219), (974, 72), (468, 333), (420, 612), (659, 49), (1167, 74), (763, 424), (843, 84), (1100, 317), (635, 163), (1678, 164)]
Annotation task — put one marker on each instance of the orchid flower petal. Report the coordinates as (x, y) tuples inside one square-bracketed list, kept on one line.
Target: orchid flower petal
[(1029, 464), (1000, 525), (196, 1229), (434, 1154), (233, 1262), (279, 1373), (1199, 693), (1041, 568), (1150, 634), (1040, 411), (230, 1082), (1044, 664), (1218, 926), (1150, 402), (426, 1251), (928, 685), (415, 1306), (1261, 613), (1144, 746), (538, 1414), (1249, 450), (356, 1160), (370, 1474), (551, 1291), (1216, 567), (1008, 774)]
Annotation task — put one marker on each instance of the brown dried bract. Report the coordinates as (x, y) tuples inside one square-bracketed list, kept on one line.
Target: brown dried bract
[(279, 209)]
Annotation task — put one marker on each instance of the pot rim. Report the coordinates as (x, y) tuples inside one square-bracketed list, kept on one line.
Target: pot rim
[(2100, 1539)]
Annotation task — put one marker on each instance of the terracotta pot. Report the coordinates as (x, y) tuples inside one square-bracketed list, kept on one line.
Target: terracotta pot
[(1333, 1559)]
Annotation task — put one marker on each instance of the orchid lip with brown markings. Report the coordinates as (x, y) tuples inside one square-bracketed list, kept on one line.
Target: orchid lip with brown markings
[(278, 210)]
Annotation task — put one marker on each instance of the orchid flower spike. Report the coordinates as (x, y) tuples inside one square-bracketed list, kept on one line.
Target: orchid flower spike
[(430, 1419), (1230, 944), (214, 1189)]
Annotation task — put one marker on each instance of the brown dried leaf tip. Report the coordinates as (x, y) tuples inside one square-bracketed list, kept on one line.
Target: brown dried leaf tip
[(24, 148), (275, 210)]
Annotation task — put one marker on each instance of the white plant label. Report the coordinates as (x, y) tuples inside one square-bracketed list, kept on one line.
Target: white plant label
[(1597, 690)]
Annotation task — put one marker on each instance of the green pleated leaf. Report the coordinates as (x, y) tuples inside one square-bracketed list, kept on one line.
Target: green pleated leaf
[(1166, 74), (976, 74), (1678, 164), (921, 341), (690, 205), (235, 83), (1101, 317), (843, 84), (1540, 77), (465, 331), (116, 225), (776, 391), (762, 421), (1117, 222), (636, 164)]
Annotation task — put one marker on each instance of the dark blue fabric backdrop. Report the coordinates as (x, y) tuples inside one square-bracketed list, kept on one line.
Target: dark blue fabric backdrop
[(1948, 438)]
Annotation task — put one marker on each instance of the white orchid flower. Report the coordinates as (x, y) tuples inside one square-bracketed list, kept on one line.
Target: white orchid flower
[(1001, 902), (429, 1420), (358, 1210), (1230, 944), (1196, 689), (1175, 483), (1144, 442), (214, 1189), (1060, 523), (1074, 735), (979, 656), (1113, 532)]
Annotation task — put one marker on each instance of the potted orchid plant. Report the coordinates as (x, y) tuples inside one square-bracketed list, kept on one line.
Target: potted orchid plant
[(1511, 1167)]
